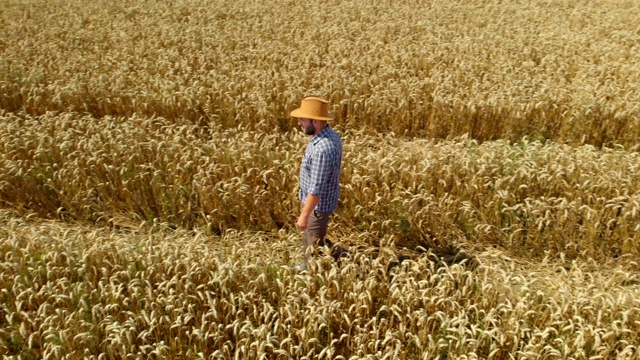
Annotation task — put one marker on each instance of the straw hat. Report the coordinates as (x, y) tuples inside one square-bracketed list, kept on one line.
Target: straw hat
[(313, 107)]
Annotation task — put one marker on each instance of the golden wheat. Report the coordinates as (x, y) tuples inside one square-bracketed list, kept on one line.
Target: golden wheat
[(563, 70), (158, 135), (76, 292), (528, 196)]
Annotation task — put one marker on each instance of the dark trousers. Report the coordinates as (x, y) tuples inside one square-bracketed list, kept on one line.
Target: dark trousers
[(315, 232)]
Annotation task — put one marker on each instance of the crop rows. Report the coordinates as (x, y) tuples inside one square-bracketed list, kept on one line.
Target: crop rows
[(75, 292), (148, 179), (493, 69), (527, 196)]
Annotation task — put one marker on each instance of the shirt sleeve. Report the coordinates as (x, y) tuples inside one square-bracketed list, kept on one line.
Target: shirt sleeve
[(320, 169)]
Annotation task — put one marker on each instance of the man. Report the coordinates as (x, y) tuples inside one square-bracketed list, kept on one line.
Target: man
[(319, 173)]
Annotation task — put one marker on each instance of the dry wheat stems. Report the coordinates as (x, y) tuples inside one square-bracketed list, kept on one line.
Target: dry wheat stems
[(78, 292)]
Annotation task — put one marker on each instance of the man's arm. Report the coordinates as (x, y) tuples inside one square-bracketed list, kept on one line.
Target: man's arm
[(310, 204)]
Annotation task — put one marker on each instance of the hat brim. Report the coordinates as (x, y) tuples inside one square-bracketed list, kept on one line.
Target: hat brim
[(298, 113)]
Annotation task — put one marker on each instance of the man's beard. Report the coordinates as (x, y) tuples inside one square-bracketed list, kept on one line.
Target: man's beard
[(309, 130)]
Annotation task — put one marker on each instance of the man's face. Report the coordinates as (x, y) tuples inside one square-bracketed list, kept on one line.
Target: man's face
[(307, 126)]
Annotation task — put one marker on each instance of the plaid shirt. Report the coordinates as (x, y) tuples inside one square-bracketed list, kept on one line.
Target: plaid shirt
[(320, 171)]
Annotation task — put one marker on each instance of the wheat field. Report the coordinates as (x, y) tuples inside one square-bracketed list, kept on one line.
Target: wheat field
[(83, 292), (493, 69), (148, 179)]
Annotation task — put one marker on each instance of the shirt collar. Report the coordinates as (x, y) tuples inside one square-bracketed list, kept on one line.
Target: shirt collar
[(322, 134)]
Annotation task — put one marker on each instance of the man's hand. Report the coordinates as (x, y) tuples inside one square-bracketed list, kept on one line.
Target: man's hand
[(309, 205), (302, 223)]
